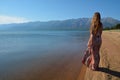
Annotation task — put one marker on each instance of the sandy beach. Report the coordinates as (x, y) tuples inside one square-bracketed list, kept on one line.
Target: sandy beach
[(109, 61)]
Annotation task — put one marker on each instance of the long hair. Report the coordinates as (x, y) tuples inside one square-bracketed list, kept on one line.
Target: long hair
[(96, 23)]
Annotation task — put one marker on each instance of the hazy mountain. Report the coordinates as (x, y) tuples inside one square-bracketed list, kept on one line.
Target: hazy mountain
[(70, 24), (109, 22)]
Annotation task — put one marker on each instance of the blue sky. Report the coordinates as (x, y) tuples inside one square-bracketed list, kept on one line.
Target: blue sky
[(45, 10)]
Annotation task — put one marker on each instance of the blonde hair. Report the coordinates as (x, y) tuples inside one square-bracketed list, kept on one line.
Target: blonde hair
[(96, 23)]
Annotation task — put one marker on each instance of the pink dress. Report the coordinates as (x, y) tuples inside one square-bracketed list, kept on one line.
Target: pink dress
[(91, 57)]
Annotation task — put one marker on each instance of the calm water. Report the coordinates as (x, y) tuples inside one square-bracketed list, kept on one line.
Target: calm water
[(21, 49)]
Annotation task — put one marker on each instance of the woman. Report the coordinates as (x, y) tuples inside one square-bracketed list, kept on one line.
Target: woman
[(94, 43)]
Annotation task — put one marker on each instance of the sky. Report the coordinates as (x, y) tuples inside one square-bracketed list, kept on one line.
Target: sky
[(19, 11)]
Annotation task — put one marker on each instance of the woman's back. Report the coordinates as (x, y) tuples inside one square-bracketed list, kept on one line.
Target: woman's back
[(97, 37)]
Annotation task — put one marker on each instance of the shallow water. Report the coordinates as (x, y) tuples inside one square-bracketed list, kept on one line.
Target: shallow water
[(29, 55)]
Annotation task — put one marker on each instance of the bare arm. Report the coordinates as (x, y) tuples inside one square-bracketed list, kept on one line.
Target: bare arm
[(90, 41), (91, 37)]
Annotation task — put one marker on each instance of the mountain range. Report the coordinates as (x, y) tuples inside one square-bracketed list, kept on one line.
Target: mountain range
[(69, 24)]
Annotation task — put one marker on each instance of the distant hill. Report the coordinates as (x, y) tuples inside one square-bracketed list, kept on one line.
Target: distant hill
[(70, 24)]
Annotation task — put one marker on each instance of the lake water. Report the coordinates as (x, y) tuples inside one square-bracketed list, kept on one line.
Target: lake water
[(33, 52)]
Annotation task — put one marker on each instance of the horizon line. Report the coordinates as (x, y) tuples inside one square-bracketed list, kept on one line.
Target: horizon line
[(30, 21)]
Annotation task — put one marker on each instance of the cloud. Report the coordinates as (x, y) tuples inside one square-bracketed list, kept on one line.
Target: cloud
[(12, 19)]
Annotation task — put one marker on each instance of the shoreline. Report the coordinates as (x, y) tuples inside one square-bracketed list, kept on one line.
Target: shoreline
[(109, 59), (82, 72)]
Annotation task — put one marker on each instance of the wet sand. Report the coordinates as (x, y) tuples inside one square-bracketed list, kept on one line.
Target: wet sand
[(59, 67), (110, 59)]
